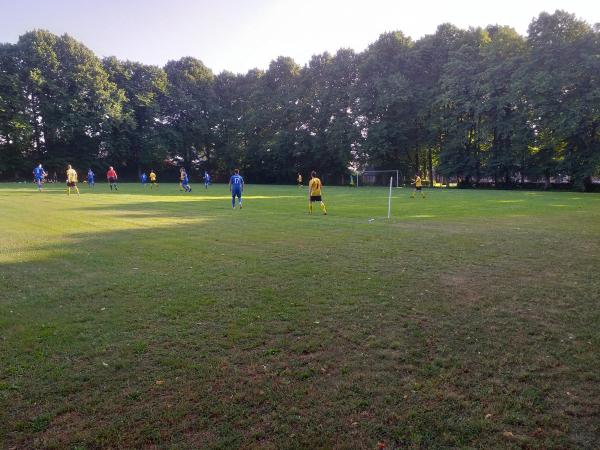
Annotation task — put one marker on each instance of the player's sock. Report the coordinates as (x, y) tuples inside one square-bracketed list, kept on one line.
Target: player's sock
[(323, 208), (233, 202), (240, 203), (310, 208)]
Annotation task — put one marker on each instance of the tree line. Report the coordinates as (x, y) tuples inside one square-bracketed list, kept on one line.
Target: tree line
[(468, 105)]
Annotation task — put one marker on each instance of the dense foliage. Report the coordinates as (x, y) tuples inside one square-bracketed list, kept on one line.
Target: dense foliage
[(471, 105)]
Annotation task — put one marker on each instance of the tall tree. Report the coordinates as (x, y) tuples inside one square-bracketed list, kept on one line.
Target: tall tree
[(16, 129), (137, 137), (387, 104), (428, 60), (328, 134), (462, 100), (188, 109), (560, 78), (71, 98)]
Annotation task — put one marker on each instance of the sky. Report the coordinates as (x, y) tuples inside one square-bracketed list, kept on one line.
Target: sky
[(239, 35)]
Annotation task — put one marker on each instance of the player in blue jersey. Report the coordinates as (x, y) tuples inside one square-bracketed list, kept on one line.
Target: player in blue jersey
[(206, 179), (184, 179), (144, 179), (38, 175), (91, 178), (236, 186)]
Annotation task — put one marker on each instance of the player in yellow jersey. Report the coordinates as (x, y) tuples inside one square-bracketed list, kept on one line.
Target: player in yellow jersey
[(299, 180), (418, 186), (153, 180), (72, 180), (314, 193)]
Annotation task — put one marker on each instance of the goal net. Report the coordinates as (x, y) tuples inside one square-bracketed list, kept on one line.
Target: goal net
[(380, 178)]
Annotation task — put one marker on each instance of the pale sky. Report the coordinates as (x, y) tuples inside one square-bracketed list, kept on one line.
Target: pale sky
[(239, 35)]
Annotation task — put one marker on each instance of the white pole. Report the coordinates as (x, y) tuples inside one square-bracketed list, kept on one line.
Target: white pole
[(357, 179), (396, 178), (390, 198)]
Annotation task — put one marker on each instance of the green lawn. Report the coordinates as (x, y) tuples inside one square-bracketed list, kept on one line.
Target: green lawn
[(144, 319)]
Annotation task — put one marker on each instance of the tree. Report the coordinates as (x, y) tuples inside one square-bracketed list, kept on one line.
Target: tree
[(70, 98), (505, 127), (560, 78), (16, 131), (327, 132), (188, 109), (462, 100), (137, 136), (428, 60), (386, 104)]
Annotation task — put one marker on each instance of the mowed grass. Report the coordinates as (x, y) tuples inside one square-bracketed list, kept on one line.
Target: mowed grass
[(144, 319)]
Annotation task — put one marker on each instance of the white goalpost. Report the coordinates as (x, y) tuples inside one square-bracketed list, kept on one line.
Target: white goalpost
[(390, 198), (370, 176)]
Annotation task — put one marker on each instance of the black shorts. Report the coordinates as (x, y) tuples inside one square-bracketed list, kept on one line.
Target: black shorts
[(71, 183), (152, 181), (315, 198), (112, 180), (418, 188)]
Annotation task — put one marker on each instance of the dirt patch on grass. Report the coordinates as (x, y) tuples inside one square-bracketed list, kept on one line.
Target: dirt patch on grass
[(463, 287)]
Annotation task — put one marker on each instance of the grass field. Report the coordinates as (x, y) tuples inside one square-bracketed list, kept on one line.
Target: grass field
[(145, 319)]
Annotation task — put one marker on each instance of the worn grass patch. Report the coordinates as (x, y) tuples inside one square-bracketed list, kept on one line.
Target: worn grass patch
[(145, 319)]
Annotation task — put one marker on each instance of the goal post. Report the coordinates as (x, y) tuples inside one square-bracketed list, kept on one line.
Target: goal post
[(379, 177), (390, 198)]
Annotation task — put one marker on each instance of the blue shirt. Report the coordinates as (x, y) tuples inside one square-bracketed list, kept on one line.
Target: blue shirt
[(206, 176), (90, 175), (236, 182), (38, 172), (144, 178)]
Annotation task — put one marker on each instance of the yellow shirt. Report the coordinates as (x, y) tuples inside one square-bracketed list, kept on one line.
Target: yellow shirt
[(152, 176), (418, 182), (71, 176), (314, 186)]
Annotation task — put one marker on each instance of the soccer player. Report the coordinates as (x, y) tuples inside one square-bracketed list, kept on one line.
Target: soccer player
[(185, 181), (418, 186), (90, 178), (71, 180), (299, 180), (111, 176), (206, 179), (236, 187), (143, 178), (38, 175), (314, 193), (153, 180)]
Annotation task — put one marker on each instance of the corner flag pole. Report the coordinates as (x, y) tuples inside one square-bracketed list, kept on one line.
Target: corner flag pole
[(390, 198)]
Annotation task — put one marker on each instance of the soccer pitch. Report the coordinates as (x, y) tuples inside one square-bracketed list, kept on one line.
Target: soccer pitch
[(158, 319)]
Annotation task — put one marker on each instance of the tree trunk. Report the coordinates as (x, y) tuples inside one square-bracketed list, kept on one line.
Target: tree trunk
[(417, 162), (430, 166)]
